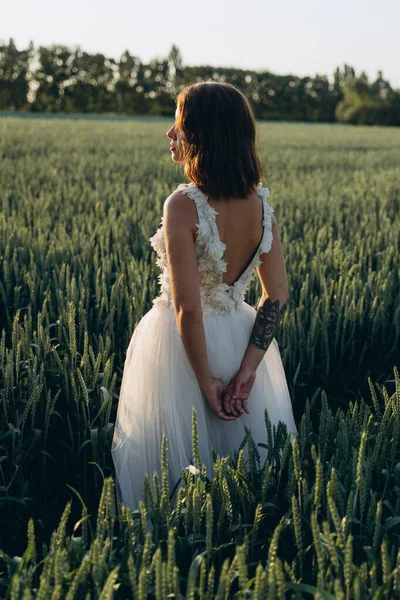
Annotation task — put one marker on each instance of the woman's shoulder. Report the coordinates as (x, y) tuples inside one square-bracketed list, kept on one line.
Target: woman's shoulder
[(191, 190), (177, 203)]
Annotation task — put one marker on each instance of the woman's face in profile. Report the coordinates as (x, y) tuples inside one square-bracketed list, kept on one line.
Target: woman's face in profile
[(177, 138)]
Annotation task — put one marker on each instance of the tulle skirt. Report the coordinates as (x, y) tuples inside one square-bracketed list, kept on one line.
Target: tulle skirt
[(159, 389)]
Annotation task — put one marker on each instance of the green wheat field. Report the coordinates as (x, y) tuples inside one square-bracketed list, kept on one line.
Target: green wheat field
[(79, 200)]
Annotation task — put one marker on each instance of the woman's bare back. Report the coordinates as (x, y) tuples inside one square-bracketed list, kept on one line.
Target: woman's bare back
[(240, 227)]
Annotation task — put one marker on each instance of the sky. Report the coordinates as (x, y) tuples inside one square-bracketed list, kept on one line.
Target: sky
[(285, 37)]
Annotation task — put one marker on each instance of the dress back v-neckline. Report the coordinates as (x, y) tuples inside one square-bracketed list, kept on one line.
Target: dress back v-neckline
[(263, 193)]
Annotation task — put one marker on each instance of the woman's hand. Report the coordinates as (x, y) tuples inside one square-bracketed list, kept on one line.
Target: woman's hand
[(213, 392), (238, 391)]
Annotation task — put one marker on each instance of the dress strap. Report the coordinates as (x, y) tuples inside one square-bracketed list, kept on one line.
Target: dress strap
[(198, 197), (266, 242), (207, 235)]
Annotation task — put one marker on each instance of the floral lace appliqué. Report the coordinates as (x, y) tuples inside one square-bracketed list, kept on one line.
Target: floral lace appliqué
[(217, 297)]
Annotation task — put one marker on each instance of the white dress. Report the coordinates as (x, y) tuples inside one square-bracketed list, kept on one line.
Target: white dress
[(159, 387)]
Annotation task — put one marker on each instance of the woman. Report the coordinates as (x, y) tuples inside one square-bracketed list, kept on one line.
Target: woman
[(201, 345)]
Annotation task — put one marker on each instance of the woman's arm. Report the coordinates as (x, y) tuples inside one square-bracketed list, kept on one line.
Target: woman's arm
[(273, 303), (268, 317), (191, 330), (270, 310), (178, 217)]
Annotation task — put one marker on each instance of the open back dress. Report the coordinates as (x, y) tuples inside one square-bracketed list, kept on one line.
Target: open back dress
[(159, 387)]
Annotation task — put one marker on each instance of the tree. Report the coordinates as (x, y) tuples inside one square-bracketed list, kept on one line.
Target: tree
[(363, 103), (92, 87), (54, 70), (175, 63), (14, 69), (128, 99)]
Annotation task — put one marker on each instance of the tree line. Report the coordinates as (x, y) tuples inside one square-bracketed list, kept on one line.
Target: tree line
[(58, 78)]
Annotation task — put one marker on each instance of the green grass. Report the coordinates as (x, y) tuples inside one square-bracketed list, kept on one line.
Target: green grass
[(78, 201)]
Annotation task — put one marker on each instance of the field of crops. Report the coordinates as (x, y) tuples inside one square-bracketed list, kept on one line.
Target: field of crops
[(79, 200)]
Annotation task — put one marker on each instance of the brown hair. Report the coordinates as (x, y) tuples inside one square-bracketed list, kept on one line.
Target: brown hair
[(220, 126)]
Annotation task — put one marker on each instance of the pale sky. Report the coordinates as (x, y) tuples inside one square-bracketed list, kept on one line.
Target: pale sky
[(285, 37)]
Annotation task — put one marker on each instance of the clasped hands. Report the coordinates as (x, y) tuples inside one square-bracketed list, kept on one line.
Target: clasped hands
[(229, 405)]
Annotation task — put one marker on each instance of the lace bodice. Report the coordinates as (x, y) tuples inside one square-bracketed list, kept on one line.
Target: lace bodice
[(217, 297)]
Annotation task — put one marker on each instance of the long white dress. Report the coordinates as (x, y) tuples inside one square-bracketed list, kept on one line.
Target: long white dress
[(159, 387)]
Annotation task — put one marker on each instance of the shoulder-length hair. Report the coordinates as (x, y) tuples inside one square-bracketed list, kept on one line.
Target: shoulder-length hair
[(219, 124)]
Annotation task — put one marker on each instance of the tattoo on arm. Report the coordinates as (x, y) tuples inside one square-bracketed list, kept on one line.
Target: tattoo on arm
[(266, 324)]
